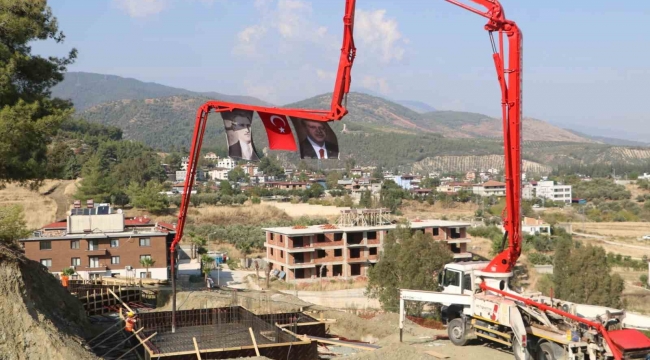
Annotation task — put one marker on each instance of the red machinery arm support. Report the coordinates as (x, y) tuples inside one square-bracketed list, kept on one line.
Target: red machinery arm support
[(510, 82)]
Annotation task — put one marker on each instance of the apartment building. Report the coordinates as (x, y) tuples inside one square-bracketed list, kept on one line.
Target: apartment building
[(344, 252), (490, 188), (547, 189), (102, 243)]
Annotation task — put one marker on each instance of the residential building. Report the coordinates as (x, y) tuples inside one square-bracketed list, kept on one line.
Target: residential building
[(404, 181), (226, 163), (181, 174), (490, 188), (100, 244), (250, 169), (535, 227), (356, 172), (344, 252), (470, 176), (211, 156), (218, 173), (528, 190), (454, 187), (287, 185), (346, 183), (556, 192)]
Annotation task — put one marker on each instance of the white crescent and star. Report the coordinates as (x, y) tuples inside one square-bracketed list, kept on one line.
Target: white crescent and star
[(284, 122)]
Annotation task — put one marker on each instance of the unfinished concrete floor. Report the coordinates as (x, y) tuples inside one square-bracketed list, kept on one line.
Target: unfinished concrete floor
[(208, 337)]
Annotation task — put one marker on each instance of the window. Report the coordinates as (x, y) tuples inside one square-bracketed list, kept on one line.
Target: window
[(320, 254), (115, 242), (46, 262), (46, 245), (115, 259), (142, 257), (145, 242), (467, 282), (281, 254), (338, 252), (271, 251), (452, 278), (75, 262), (143, 275), (372, 235), (372, 251), (94, 262), (436, 231), (338, 237), (74, 244), (355, 253), (93, 244), (320, 238)]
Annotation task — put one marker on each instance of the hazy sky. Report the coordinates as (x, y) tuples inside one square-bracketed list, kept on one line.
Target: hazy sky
[(586, 63)]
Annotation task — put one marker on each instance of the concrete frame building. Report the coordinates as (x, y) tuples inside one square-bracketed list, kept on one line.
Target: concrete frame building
[(344, 252), (104, 244), (547, 189), (490, 188)]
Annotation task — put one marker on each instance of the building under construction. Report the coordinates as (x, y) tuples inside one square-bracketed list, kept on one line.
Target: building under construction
[(346, 250), (228, 332)]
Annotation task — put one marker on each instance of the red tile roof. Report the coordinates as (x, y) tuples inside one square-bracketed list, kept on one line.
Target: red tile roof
[(137, 221), (493, 183), (56, 225), (167, 226)]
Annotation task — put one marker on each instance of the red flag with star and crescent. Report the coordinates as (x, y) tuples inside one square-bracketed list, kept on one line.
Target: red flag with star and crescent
[(278, 131)]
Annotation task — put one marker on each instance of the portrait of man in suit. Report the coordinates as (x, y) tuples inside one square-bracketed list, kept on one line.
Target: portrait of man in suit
[(238, 130), (316, 138)]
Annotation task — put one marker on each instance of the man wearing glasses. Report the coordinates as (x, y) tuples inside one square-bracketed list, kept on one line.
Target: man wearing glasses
[(239, 134)]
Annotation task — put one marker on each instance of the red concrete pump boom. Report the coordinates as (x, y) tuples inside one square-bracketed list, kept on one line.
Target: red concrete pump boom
[(337, 112), (510, 81)]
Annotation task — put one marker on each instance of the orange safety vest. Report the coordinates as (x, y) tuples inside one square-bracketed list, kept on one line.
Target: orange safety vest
[(130, 323)]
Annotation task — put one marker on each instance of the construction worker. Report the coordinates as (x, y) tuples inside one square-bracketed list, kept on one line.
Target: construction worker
[(130, 321), (64, 280)]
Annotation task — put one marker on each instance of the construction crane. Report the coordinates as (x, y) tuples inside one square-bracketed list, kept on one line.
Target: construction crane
[(476, 296)]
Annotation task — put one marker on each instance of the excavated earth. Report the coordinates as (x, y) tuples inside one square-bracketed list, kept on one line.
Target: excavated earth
[(39, 319)]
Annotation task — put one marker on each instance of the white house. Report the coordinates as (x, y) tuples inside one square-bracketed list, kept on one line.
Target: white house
[(535, 226), (218, 173), (181, 174), (549, 190), (227, 163), (211, 156), (490, 188)]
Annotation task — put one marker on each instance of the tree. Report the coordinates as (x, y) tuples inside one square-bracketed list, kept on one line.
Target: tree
[(174, 161), (410, 261), (332, 179), (95, 184), (584, 276), (148, 197), (147, 262), (28, 117), (206, 265), (378, 173), (245, 248), (12, 225), (366, 199), (225, 188), (316, 190), (270, 167), (238, 175)]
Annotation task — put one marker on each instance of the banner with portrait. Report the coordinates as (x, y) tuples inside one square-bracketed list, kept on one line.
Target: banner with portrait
[(316, 139), (239, 134)]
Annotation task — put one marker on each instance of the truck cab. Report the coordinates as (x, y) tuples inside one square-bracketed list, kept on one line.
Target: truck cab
[(460, 278)]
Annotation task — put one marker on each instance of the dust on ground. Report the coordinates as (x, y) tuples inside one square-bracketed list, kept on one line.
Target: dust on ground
[(453, 211), (38, 317), (298, 210)]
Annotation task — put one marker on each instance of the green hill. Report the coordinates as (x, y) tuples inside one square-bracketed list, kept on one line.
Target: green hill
[(89, 89)]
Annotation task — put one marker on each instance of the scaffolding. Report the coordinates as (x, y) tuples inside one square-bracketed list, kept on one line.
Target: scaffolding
[(364, 217)]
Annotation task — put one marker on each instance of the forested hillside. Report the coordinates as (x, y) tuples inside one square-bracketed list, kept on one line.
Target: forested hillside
[(88, 89)]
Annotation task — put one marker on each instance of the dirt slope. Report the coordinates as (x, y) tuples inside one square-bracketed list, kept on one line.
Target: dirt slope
[(39, 319)]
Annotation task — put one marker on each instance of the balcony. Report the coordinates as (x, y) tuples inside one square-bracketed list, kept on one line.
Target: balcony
[(464, 255), (96, 252), (459, 241), (99, 268)]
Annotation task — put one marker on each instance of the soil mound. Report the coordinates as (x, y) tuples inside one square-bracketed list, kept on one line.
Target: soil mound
[(39, 319)]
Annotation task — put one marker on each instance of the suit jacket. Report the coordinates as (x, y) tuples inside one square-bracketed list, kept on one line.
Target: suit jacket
[(307, 151), (234, 151)]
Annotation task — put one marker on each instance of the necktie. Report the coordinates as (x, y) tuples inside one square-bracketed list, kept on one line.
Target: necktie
[(322, 153)]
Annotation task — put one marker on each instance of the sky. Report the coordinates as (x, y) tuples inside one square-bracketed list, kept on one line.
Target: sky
[(586, 63)]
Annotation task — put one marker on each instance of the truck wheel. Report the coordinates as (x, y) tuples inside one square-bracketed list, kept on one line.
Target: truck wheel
[(546, 351), (456, 331)]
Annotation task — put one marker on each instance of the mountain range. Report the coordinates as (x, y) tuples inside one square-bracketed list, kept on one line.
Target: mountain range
[(163, 117)]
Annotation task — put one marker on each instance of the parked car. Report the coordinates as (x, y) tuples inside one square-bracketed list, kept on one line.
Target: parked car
[(646, 237)]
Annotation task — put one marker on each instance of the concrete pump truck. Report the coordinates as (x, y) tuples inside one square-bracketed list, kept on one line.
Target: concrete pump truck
[(476, 297)]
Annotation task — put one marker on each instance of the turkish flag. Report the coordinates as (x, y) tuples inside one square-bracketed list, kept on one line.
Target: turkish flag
[(278, 131)]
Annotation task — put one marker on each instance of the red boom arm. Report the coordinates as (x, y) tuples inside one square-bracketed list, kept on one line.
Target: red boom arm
[(510, 82), (337, 112)]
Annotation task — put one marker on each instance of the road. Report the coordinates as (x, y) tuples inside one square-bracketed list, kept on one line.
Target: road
[(337, 299)]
